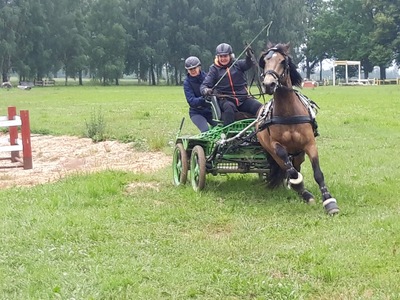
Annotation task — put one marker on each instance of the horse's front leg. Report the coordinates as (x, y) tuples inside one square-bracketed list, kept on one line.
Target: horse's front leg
[(299, 187), (293, 171), (328, 201), (286, 164)]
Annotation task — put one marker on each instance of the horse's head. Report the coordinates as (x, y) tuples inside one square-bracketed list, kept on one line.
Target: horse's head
[(278, 68)]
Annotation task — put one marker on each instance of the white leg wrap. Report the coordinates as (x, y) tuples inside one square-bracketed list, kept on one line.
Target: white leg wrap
[(327, 201), (298, 180)]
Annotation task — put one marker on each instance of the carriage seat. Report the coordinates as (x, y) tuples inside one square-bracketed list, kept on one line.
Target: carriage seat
[(216, 111)]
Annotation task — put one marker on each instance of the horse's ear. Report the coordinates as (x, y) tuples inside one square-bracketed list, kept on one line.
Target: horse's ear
[(287, 47), (270, 45)]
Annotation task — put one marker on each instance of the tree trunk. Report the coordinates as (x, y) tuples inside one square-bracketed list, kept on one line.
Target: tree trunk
[(308, 69), (80, 77), (5, 77), (382, 72), (153, 76), (320, 70), (176, 75), (151, 73), (66, 76), (167, 74)]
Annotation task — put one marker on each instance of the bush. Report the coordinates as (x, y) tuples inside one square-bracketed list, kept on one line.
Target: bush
[(96, 126)]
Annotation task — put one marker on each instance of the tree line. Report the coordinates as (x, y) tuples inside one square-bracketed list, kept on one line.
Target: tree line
[(105, 39)]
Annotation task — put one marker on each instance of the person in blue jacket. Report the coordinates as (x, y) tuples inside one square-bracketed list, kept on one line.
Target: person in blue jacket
[(199, 110), (227, 79)]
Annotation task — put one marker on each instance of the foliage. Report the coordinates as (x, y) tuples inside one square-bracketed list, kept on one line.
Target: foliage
[(355, 30), (96, 126), (105, 39)]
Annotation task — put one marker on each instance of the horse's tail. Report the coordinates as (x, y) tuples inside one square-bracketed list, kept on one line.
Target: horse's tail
[(276, 175)]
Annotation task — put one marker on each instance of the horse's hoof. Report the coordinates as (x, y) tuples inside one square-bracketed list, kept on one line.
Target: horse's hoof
[(331, 206), (332, 211), (308, 197), (311, 201)]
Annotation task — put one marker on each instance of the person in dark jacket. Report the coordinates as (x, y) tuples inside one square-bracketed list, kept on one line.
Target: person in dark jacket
[(227, 79), (199, 110)]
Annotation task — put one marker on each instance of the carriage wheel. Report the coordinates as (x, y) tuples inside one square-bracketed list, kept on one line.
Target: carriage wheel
[(198, 168), (180, 165)]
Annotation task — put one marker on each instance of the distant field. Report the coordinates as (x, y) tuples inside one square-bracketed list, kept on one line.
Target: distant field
[(137, 112), (91, 237)]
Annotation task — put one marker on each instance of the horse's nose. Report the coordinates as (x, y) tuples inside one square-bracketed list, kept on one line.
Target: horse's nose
[(269, 87)]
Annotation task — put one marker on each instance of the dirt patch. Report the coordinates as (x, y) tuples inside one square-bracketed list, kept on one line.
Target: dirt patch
[(55, 157)]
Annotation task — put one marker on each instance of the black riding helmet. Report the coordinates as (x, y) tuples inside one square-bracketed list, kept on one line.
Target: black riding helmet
[(223, 49), (192, 62)]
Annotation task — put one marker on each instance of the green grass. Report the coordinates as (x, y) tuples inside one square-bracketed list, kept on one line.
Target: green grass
[(90, 237), (148, 116)]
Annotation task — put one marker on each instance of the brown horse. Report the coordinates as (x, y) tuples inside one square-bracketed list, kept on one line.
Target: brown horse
[(285, 128)]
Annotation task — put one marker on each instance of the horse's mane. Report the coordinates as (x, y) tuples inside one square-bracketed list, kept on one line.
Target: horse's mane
[(295, 76)]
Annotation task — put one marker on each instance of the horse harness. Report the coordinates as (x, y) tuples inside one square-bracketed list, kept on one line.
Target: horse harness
[(266, 118)]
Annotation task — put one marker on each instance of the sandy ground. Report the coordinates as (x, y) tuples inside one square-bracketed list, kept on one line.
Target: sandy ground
[(56, 157)]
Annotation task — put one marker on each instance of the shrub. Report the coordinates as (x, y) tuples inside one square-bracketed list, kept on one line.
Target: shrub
[(95, 128)]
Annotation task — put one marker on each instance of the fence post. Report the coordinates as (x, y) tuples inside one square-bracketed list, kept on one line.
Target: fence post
[(26, 139)]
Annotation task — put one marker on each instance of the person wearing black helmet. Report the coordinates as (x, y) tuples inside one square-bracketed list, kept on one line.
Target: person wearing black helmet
[(199, 110), (227, 79)]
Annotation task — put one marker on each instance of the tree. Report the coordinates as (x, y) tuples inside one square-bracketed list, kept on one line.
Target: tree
[(70, 38), (9, 15), (34, 56), (108, 40), (385, 36), (313, 52), (341, 30)]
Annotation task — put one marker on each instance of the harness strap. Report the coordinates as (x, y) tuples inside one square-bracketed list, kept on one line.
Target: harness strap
[(285, 121)]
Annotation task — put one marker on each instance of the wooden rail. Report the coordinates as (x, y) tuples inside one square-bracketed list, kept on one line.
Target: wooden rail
[(47, 82), (16, 145)]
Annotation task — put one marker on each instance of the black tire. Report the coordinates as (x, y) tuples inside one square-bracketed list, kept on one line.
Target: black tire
[(198, 168), (180, 165)]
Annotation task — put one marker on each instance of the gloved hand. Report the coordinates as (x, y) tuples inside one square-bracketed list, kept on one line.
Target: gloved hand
[(207, 92), (249, 51)]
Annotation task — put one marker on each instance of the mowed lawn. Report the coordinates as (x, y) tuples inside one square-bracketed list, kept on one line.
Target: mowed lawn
[(91, 237)]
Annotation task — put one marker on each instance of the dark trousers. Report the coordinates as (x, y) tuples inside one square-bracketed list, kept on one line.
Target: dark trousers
[(202, 121), (229, 109)]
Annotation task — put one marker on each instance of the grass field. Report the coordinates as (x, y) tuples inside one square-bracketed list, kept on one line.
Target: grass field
[(88, 237)]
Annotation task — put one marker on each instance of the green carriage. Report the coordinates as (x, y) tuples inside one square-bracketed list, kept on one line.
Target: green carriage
[(223, 149)]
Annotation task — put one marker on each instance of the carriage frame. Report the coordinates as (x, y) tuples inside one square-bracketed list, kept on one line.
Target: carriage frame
[(221, 150)]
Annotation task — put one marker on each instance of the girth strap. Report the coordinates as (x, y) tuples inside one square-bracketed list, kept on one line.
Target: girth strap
[(285, 121)]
